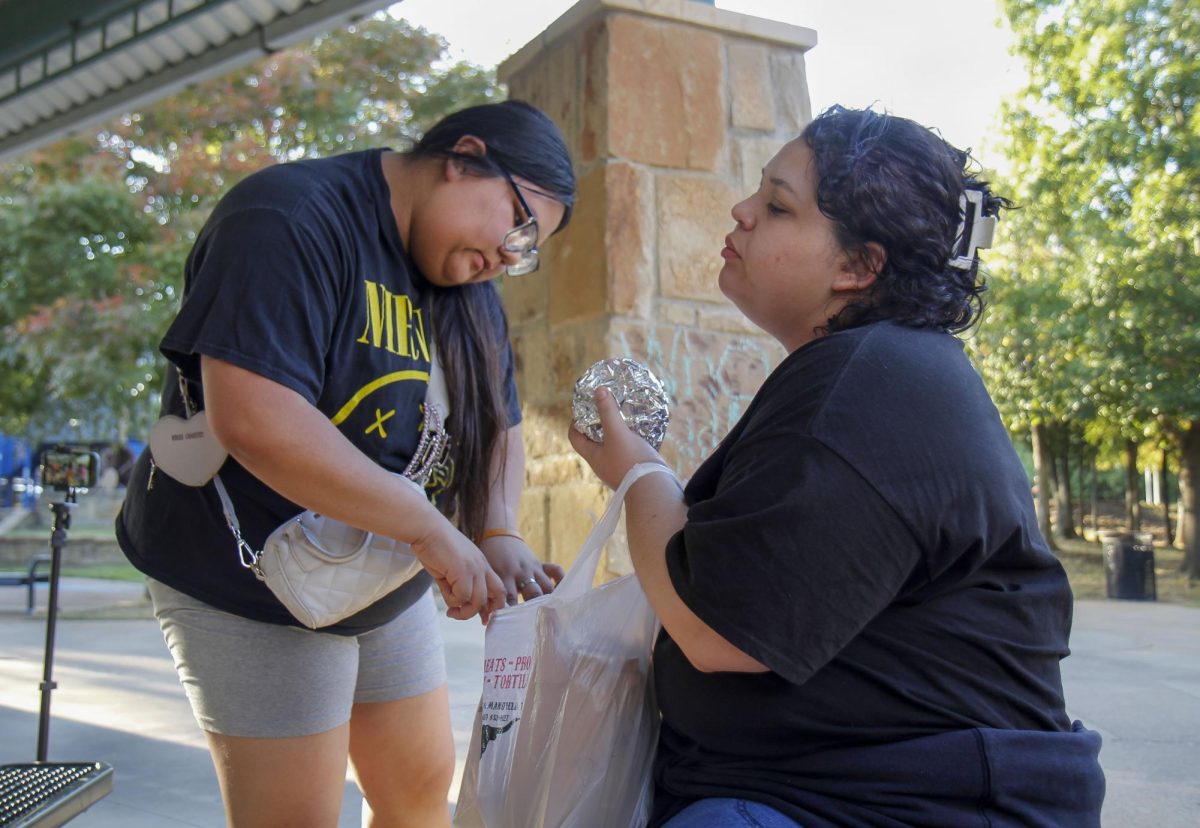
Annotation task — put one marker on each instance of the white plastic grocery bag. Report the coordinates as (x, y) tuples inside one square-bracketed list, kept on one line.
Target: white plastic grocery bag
[(566, 727)]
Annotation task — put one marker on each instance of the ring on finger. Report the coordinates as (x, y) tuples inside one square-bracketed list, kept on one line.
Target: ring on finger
[(526, 583)]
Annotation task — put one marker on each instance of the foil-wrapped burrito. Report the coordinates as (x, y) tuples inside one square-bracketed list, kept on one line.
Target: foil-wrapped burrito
[(638, 393)]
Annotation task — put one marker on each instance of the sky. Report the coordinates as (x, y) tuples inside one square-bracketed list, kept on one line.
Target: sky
[(944, 63)]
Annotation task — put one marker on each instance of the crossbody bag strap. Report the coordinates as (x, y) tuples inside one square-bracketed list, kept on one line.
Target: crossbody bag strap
[(246, 553), (431, 459), (437, 394)]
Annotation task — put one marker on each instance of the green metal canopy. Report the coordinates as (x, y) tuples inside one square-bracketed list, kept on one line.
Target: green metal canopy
[(66, 63)]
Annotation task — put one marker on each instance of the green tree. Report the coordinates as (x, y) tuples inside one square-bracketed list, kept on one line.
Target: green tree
[(1029, 347), (75, 279), (1106, 144), (94, 229)]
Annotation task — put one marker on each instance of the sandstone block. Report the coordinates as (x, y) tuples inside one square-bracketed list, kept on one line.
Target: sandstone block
[(636, 340), (571, 511), (532, 521), (726, 320), (752, 154), (790, 82), (664, 99), (527, 298), (693, 219), (578, 256), (593, 136), (750, 100), (559, 470), (545, 431), (531, 358), (572, 349), (629, 239), (552, 84), (684, 314), (746, 365)]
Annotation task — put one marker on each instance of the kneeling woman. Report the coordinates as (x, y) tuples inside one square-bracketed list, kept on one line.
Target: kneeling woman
[(862, 624)]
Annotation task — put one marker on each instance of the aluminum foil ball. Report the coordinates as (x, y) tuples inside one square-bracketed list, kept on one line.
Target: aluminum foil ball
[(639, 395)]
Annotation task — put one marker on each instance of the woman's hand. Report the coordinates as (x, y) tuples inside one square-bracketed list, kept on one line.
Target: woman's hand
[(622, 448), (467, 582), (523, 575)]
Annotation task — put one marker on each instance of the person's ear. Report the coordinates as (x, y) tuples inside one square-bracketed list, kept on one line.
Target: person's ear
[(859, 271), (466, 145)]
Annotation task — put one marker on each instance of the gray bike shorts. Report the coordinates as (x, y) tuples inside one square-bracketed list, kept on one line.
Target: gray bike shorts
[(259, 680)]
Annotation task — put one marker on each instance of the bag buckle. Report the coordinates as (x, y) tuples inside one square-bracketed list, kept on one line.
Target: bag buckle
[(247, 555)]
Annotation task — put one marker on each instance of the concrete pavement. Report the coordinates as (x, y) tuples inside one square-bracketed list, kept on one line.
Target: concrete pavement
[(1134, 676), (119, 701)]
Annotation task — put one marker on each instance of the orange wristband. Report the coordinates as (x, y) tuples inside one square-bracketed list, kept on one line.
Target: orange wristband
[(500, 533)]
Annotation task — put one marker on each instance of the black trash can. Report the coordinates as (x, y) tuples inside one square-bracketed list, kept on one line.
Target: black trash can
[(1129, 567)]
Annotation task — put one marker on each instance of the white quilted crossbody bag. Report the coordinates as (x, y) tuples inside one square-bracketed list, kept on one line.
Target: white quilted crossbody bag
[(324, 570)]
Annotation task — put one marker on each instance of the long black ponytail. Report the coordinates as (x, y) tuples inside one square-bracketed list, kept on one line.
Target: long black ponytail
[(525, 142)]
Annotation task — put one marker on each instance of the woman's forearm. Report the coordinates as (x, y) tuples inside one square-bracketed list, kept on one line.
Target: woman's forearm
[(507, 476), (290, 446), (654, 512)]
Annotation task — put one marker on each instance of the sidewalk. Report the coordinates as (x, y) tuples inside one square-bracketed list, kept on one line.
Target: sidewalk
[(1134, 676), (119, 701)]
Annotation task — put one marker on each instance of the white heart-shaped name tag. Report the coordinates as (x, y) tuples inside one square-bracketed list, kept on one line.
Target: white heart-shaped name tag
[(187, 450)]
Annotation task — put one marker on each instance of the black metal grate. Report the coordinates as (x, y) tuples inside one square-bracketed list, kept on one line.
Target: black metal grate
[(25, 788)]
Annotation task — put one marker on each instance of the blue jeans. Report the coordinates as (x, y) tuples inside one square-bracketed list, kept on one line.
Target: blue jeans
[(729, 813)]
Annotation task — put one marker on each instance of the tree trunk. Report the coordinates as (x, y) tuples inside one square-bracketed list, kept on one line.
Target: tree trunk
[(1189, 498), (1095, 496), (1179, 519), (1041, 466), (1165, 474), (1062, 488), (1082, 499), (1051, 456), (1133, 500)]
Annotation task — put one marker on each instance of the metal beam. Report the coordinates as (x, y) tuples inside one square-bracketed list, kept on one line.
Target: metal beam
[(54, 101)]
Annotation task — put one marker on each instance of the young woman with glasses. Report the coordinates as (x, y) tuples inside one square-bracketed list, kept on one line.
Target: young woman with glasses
[(861, 623), (315, 299)]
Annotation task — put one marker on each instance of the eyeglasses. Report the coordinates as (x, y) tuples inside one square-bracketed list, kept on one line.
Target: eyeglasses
[(522, 239)]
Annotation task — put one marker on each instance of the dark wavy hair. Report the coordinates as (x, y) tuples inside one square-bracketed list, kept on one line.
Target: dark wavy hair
[(891, 181), (524, 141)]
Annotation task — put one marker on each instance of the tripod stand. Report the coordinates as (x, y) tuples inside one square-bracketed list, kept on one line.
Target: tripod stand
[(58, 541), (47, 793)]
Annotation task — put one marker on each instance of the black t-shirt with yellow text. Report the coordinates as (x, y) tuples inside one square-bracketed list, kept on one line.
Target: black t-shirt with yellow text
[(300, 276)]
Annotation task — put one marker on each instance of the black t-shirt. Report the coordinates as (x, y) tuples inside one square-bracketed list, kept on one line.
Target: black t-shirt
[(300, 276), (866, 531)]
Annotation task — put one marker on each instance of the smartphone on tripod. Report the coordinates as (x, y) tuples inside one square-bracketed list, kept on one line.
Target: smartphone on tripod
[(67, 468), (44, 792)]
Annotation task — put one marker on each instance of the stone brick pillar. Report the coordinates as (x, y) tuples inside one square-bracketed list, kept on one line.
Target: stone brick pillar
[(670, 109)]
